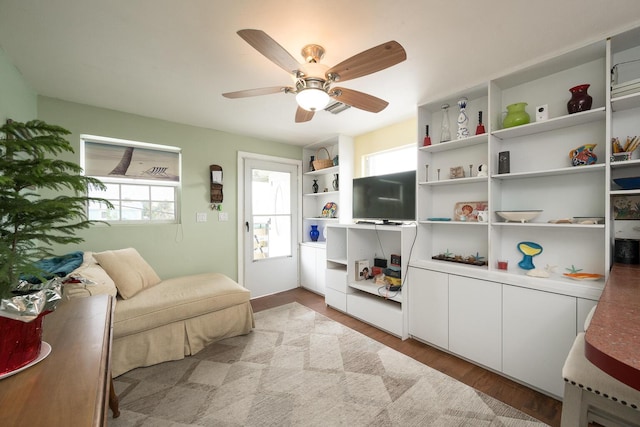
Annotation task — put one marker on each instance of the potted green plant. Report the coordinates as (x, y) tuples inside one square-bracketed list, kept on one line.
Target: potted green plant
[(42, 202)]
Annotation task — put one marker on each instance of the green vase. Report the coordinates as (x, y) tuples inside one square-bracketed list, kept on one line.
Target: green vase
[(516, 115)]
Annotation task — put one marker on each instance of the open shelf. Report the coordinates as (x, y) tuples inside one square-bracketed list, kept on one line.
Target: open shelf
[(456, 181), (548, 225), (321, 193), (626, 102), (325, 171), (626, 164), (598, 167), (378, 290), (555, 123), (456, 143)]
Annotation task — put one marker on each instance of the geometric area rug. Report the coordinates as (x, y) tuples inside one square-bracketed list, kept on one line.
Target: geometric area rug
[(300, 368)]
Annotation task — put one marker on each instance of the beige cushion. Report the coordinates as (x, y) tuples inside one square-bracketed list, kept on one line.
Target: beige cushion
[(177, 299), (580, 372), (587, 321), (129, 271), (93, 280)]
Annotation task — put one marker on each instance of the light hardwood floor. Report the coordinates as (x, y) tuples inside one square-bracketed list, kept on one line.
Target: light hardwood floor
[(538, 405)]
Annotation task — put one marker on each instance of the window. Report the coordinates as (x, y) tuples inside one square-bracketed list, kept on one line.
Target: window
[(142, 180), (390, 161)]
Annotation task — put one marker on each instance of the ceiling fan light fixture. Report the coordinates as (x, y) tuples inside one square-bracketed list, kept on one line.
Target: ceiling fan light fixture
[(312, 99)]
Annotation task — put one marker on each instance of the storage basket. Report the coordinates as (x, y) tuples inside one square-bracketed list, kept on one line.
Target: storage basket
[(324, 163)]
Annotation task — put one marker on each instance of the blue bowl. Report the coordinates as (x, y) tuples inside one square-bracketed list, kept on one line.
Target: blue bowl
[(631, 183)]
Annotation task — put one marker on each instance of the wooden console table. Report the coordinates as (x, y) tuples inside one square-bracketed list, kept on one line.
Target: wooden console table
[(71, 387)]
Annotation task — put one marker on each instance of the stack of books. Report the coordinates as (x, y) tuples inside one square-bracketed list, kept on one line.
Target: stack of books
[(626, 88)]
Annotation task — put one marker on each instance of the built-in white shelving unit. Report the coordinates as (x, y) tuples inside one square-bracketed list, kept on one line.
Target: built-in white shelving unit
[(517, 324), (541, 176), (312, 254)]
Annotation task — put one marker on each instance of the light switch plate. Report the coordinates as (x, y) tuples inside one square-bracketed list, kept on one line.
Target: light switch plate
[(223, 216), (201, 217)]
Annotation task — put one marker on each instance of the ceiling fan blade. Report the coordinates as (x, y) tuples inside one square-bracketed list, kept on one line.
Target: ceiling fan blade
[(255, 92), (303, 115), (270, 49), (359, 100), (368, 62)]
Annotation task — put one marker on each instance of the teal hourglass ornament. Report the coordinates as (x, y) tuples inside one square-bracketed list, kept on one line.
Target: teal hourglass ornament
[(529, 250)]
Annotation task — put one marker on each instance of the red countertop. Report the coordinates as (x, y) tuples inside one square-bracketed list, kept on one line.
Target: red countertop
[(612, 340)]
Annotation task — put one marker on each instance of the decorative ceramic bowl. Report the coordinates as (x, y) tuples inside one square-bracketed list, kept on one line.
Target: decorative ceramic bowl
[(518, 216), (588, 219), (631, 183)]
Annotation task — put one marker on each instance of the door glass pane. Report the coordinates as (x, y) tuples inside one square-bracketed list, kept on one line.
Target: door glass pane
[(271, 214), (270, 192)]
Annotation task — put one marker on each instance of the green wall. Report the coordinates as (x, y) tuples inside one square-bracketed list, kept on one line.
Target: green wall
[(17, 100), (171, 249)]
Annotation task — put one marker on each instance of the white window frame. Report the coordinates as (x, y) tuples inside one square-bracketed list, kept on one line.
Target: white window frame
[(148, 183), (410, 165)]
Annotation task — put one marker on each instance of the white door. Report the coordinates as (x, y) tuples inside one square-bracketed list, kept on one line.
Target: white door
[(269, 226)]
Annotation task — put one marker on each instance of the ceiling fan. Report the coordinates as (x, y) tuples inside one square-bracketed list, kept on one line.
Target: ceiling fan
[(312, 81)]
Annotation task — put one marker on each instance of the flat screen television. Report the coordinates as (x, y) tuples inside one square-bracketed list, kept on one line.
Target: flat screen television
[(386, 198)]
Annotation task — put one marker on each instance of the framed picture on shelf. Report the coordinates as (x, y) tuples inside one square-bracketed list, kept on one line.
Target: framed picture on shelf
[(456, 172), (626, 207), (468, 211)]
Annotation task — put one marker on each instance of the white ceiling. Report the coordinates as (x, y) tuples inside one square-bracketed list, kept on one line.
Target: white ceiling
[(172, 59)]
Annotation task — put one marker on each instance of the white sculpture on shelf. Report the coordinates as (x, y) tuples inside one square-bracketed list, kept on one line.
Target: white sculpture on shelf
[(463, 119)]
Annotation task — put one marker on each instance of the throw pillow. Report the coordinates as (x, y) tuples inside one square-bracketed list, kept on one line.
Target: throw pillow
[(128, 269)]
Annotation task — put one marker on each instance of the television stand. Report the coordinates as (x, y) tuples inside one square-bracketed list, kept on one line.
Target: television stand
[(364, 299)]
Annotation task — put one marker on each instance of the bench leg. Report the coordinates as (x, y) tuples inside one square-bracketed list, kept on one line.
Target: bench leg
[(113, 400), (574, 413)]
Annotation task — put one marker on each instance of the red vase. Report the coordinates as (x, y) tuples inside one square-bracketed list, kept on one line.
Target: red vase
[(580, 99), (20, 342)]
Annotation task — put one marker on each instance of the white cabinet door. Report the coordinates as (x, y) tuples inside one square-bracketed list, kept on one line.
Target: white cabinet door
[(307, 267), (428, 302), (313, 265), (321, 268), (539, 329), (475, 320)]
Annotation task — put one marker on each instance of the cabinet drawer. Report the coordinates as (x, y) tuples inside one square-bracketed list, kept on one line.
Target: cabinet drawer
[(336, 299), (336, 279), (376, 311)]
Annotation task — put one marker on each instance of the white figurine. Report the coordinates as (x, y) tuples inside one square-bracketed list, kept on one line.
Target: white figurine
[(463, 119), (538, 272), (483, 170)]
